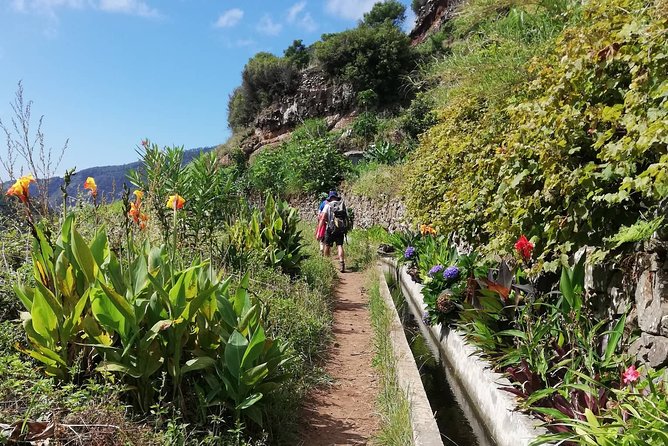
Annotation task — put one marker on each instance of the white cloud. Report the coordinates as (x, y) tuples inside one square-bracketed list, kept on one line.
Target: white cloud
[(132, 7), (49, 7), (349, 9), (295, 10), (229, 18), (268, 26), (297, 16), (308, 23)]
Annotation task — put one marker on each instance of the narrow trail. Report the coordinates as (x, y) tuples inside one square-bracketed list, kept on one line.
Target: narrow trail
[(344, 412)]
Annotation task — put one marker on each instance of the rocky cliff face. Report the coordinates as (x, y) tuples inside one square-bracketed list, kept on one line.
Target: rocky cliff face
[(431, 17), (316, 97)]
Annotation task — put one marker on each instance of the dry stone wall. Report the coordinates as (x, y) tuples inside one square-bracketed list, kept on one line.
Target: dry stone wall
[(387, 212)]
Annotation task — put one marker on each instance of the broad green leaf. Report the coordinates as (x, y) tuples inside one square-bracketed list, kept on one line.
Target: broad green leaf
[(255, 348), (84, 256), (255, 375), (44, 321), (614, 338), (199, 363), (249, 401), (109, 366), (234, 352)]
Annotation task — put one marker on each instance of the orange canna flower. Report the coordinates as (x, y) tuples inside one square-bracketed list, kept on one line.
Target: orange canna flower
[(21, 188), (91, 186), (427, 230), (134, 212), (143, 219), (176, 202)]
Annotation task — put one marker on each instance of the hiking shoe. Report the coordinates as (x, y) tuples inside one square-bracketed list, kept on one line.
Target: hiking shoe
[(343, 266)]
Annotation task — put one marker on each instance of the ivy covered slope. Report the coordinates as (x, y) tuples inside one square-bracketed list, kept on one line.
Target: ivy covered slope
[(569, 147)]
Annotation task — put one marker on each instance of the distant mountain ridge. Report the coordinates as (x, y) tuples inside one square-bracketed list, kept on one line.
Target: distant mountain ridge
[(109, 179)]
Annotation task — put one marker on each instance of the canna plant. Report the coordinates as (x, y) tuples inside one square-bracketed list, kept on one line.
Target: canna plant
[(147, 320)]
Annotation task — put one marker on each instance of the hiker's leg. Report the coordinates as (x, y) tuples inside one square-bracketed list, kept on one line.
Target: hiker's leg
[(341, 253)]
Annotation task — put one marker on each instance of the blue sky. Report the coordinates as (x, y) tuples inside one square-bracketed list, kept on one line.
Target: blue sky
[(107, 73)]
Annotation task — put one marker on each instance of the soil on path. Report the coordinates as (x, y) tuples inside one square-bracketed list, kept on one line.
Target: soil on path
[(343, 413)]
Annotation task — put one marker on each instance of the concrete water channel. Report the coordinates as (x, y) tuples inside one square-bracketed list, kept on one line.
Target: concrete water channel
[(460, 392)]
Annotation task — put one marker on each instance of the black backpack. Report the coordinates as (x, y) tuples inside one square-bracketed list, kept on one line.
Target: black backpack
[(338, 222)]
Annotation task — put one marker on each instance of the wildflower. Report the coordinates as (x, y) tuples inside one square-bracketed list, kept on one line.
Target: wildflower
[(426, 319), (21, 188), (143, 218), (409, 253), (134, 212), (427, 230), (630, 375), (435, 270), (91, 186), (524, 247), (139, 195), (175, 202), (451, 273)]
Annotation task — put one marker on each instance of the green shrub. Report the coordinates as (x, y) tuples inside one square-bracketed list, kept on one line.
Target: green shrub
[(365, 126), (298, 54), (419, 117), (266, 77), (241, 110), (309, 163), (385, 12), (368, 57)]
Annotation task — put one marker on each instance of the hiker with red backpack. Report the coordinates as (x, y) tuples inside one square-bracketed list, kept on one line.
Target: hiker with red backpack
[(337, 221)]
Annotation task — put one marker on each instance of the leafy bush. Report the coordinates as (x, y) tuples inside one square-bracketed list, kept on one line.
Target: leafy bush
[(385, 12), (419, 117), (271, 233), (298, 54), (384, 152), (365, 126), (368, 57), (241, 110), (264, 78), (305, 164)]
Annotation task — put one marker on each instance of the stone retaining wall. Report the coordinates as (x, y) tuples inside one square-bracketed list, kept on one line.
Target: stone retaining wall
[(389, 213)]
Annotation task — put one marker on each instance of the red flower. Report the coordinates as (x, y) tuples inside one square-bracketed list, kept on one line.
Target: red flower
[(630, 375), (524, 247)]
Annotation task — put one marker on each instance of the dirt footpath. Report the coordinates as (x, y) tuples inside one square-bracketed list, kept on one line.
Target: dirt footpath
[(344, 413)]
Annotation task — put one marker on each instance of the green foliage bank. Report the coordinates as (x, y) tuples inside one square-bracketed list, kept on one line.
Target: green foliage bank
[(573, 150)]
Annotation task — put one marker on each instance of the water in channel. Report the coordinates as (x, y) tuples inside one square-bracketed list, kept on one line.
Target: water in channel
[(452, 422)]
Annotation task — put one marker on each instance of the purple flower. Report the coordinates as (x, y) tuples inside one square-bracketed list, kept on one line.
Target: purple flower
[(426, 319), (409, 253), (435, 270), (451, 273)]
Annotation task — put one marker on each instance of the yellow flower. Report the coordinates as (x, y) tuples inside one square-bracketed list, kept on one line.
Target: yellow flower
[(91, 186), (175, 202), (139, 194), (21, 188)]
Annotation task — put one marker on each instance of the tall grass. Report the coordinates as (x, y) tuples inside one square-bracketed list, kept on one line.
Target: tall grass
[(493, 41), (392, 403)]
